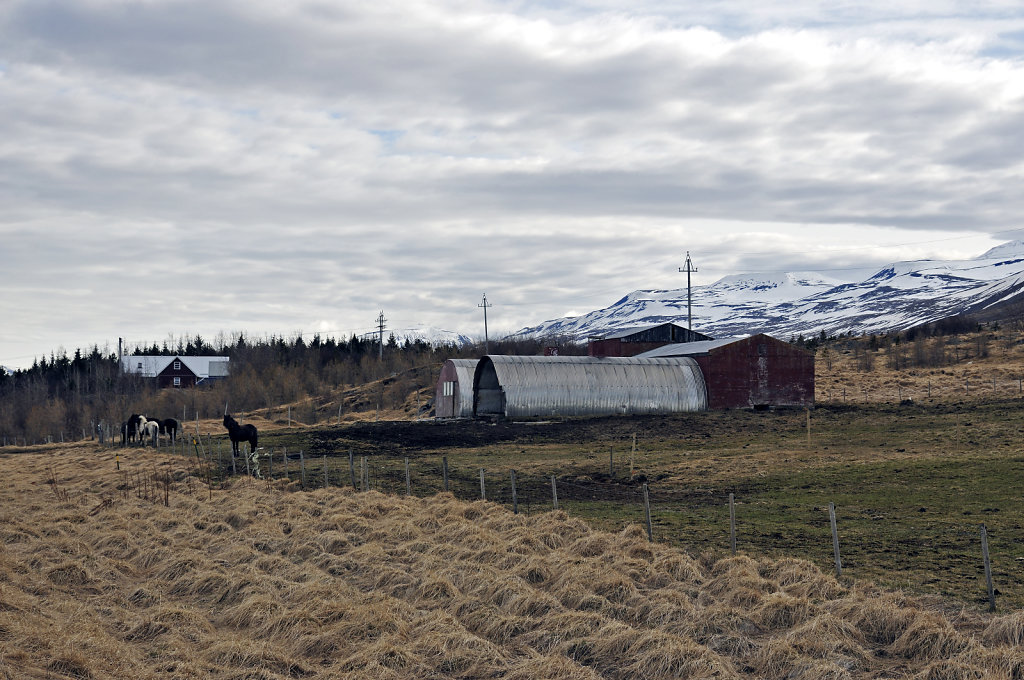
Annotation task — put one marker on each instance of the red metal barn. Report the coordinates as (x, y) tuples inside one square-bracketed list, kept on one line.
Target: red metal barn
[(453, 397), (755, 372), (633, 341)]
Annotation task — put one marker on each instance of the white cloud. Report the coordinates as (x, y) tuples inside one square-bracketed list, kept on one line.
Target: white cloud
[(270, 167)]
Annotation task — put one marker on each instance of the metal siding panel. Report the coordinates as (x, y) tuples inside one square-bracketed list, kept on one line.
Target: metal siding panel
[(541, 386)]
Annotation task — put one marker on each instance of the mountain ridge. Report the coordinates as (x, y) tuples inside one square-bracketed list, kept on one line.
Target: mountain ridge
[(896, 296)]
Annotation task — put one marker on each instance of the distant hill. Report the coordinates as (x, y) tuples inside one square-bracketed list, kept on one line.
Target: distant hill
[(897, 296)]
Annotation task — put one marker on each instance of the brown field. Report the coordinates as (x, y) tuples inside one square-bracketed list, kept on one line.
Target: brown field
[(147, 573)]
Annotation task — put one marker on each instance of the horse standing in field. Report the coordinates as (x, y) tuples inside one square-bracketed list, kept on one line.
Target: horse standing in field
[(132, 426), (240, 433), (169, 426), (148, 431)]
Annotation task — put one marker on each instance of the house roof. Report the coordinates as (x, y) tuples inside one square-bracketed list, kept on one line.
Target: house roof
[(626, 332), (150, 366), (687, 349)]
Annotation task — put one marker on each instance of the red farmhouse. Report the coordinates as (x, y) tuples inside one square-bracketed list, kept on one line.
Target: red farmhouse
[(177, 371)]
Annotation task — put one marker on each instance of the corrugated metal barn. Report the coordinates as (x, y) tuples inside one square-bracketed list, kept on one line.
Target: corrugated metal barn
[(633, 341), (531, 386), (454, 395), (755, 372)]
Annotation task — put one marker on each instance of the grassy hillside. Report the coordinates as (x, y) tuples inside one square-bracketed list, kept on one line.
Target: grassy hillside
[(148, 573)]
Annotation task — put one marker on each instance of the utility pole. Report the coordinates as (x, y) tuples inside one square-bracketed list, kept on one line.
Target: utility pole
[(689, 299), (380, 326), (485, 305)]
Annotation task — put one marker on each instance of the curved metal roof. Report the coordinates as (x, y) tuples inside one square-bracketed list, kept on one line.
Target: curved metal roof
[(464, 370), (529, 386)]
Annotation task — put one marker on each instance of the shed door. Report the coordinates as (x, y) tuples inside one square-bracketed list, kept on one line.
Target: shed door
[(760, 390)]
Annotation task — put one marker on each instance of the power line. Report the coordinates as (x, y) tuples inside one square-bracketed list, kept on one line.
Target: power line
[(689, 297), (380, 323)]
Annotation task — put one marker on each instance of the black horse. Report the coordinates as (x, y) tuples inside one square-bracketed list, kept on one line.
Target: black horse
[(132, 428), (169, 426), (240, 433)]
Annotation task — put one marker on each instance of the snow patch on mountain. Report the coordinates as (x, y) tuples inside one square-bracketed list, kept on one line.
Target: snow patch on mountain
[(430, 335), (897, 296)]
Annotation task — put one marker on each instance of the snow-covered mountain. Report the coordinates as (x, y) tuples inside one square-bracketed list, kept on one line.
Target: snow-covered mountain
[(430, 335), (897, 296)]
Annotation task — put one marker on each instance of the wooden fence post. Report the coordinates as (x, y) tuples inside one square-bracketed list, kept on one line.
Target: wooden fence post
[(515, 498), (483, 491), (554, 492), (270, 457), (362, 473), (632, 456), (835, 539), (302, 467), (352, 469), (647, 514), (408, 479), (284, 457), (732, 524), (988, 570)]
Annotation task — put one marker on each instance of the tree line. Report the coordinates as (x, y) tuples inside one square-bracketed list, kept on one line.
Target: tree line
[(66, 396)]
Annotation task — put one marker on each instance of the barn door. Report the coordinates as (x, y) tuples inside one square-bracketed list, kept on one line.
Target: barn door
[(760, 389)]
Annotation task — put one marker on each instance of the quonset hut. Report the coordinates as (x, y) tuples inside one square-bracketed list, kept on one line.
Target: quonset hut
[(453, 397), (755, 372), (531, 386)]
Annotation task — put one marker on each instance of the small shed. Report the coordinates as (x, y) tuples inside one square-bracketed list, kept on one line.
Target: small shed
[(531, 386), (453, 397), (755, 372), (630, 342)]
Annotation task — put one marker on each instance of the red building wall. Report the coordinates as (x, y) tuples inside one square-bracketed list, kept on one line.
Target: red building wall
[(758, 371), (618, 348)]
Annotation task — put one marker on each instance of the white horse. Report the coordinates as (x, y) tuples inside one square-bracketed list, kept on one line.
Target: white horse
[(148, 430)]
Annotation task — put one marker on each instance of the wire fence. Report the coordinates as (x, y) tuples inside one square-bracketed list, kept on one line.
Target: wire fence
[(618, 493)]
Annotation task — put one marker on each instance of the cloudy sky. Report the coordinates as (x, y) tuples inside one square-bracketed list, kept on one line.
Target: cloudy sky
[(173, 167)]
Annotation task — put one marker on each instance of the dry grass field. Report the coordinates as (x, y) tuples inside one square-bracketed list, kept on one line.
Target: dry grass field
[(978, 366), (148, 573)]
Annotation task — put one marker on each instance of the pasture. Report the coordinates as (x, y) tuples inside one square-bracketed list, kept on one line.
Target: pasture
[(147, 573), (911, 483)]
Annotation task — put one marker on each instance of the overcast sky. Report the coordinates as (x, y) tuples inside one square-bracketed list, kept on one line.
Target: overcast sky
[(173, 167)]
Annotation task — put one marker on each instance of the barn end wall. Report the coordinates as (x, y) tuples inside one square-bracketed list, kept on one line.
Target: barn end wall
[(453, 396), (758, 371)]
